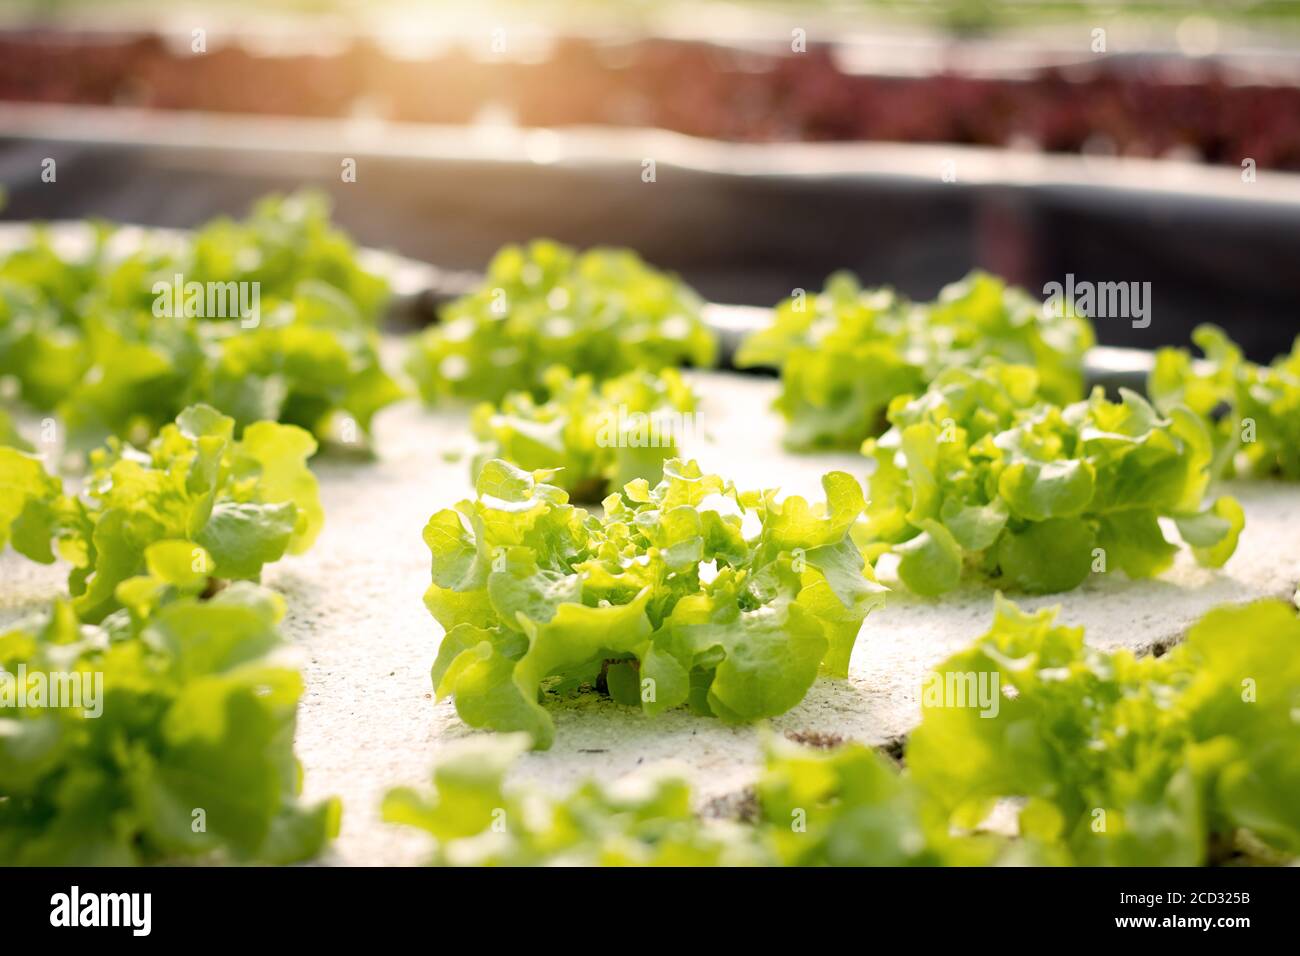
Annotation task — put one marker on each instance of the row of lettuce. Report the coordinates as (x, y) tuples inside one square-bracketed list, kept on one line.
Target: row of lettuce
[(82, 334), (1088, 758), (146, 717), (112, 335), (987, 461)]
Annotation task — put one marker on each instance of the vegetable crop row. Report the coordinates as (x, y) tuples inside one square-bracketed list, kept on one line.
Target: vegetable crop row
[(987, 464)]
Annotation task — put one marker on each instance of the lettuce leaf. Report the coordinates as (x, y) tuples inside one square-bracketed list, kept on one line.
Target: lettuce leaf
[(1253, 411), (239, 504), (478, 821), (1120, 761), (81, 333), (595, 437)]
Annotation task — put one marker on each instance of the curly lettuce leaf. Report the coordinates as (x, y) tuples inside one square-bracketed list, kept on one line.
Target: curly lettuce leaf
[(849, 806), (1252, 410), (88, 333), (594, 437), (1117, 760), (238, 504), (478, 821), (31, 504)]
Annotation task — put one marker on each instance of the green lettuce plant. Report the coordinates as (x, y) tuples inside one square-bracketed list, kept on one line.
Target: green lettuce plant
[(1252, 410), (82, 335), (174, 740), (850, 806), (601, 312), (845, 354), (1120, 760), (978, 473), (688, 592), (478, 821), (241, 504)]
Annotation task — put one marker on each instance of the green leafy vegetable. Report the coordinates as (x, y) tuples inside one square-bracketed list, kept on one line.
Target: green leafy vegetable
[(977, 472), (688, 592), (597, 437), (101, 337), (9, 434), (239, 504), (847, 807), (1121, 761), (1253, 410), (847, 353), (850, 807), (478, 822), (288, 240), (171, 736), (31, 504), (602, 312), (1101, 759)]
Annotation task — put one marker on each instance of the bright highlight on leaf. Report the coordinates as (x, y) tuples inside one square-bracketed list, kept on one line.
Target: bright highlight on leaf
[(977, 473), (845, 354), (690, 592), (602, 312)]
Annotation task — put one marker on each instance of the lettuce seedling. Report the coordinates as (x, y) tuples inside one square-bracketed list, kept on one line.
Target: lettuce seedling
[(1120, 760), (241, 504), (100, 338), (1252, 410)]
